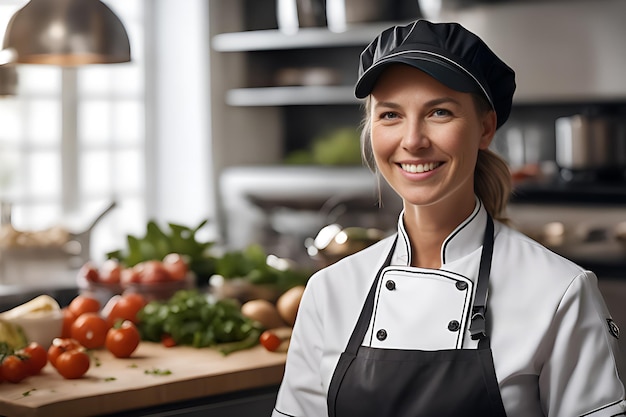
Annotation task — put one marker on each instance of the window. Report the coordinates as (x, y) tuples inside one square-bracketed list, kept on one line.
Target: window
[(73, 139)]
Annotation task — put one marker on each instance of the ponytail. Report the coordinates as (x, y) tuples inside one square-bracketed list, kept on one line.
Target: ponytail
[(492, 183)]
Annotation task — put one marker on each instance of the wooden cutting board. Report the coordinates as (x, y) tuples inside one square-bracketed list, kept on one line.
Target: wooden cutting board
[(113, 385)]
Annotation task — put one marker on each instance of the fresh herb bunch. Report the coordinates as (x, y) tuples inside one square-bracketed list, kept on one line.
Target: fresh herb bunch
[(157, 243), (189, 318), (251, 264)]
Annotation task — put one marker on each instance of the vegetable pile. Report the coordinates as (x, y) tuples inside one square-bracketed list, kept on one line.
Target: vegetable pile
[(158, 243), (189, 318)]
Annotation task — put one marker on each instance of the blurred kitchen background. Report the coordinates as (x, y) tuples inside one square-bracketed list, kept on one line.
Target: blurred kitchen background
[(242, 112)]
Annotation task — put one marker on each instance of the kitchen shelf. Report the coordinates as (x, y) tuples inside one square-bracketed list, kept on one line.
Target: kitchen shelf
[(318, 37), (291, 96)]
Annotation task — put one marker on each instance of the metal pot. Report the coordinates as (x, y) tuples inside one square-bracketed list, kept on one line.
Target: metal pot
[(334, 242), (590, 143)]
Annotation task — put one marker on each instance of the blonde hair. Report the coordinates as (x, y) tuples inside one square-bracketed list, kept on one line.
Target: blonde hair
[(492, 177)]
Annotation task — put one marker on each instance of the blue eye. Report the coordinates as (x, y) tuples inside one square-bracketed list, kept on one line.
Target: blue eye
[(388, 115), (441, 113)]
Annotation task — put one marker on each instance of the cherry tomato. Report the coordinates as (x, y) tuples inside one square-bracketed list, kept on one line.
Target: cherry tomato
[(60, 345), (129, 276), (35, 357), (90, 272), (269, 340), (168, 341), (68, 319), (14, 369), (152, 272), (73, 364), (90, 330), (110, 272), (122, 340), (176, 265), (126, 308), (82, 304)]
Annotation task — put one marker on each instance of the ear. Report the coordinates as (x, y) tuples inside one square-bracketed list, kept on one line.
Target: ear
[(489, 125)]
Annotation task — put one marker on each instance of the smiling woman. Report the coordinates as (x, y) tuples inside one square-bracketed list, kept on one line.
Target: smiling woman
[(443, 305)]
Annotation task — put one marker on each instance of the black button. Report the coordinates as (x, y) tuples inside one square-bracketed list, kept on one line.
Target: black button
[(461, 286), (381, 334), (390, 285), (454, 326)]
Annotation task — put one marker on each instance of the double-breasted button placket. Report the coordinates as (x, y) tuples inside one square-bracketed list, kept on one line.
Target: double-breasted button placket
[(454, 325)]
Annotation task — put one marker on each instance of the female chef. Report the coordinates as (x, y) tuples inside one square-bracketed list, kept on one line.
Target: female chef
[(457, 314)]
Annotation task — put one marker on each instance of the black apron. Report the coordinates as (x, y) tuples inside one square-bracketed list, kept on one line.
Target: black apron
[(415, 383)]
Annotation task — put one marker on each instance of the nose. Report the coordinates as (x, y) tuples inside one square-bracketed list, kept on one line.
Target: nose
[(415, 135)]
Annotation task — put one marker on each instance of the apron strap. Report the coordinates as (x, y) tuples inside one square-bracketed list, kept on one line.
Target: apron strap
[(478, 328)]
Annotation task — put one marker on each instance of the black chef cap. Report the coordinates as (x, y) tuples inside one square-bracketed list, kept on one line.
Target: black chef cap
[(447, 52)]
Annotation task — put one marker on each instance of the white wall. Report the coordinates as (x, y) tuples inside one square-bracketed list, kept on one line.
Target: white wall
[(179, 119)]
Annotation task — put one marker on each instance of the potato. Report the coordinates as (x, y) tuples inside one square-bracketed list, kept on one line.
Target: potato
[(288, 304), (264, 312)]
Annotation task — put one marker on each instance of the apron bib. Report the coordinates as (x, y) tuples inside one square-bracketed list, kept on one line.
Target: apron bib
[(373, 382)]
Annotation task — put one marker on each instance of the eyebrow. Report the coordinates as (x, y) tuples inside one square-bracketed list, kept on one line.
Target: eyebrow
[(431, 103)]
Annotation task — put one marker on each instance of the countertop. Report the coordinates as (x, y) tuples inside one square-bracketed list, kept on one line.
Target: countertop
[(113, 385)]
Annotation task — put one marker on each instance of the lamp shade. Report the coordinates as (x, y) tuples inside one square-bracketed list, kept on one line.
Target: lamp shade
[(67, 33)]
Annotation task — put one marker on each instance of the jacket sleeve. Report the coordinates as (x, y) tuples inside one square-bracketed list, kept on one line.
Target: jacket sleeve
[(301, 393), (580, 376)]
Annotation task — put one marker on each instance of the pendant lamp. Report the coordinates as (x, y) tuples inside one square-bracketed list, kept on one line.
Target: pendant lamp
[(8, 80), (67, 33), (8, 74)]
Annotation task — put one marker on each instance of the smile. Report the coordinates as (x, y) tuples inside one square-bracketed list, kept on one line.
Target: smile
[(413, 168)]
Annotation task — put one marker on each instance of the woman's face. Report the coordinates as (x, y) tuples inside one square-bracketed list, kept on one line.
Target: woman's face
[(425, 137)]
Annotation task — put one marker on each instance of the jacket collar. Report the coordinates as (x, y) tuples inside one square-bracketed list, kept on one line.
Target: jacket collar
[(465, 239)]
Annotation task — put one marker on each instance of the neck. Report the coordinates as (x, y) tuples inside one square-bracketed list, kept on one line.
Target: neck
[(428, 227)]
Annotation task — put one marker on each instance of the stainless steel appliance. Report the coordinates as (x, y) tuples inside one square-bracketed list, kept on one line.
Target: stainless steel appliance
[(591, 143)]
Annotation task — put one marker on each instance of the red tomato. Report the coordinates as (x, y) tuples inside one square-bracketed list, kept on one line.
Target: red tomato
[(68, 319), (176, 265), (126, 308), (269, 340), (129, 276), (35, 357), (72, 364), (90, 272), (168, 341), (60, 345), (84, 304), (123, 340), (152, 272), (90, 330), (14, 369), (110, 272)]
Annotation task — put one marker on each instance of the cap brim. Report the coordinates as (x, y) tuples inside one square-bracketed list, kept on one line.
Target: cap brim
[(437, 68)]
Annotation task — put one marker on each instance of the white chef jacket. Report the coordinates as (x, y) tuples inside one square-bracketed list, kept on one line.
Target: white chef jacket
[(554, 344)]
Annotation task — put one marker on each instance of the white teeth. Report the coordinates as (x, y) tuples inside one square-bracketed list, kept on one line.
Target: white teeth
[(420, 167)]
